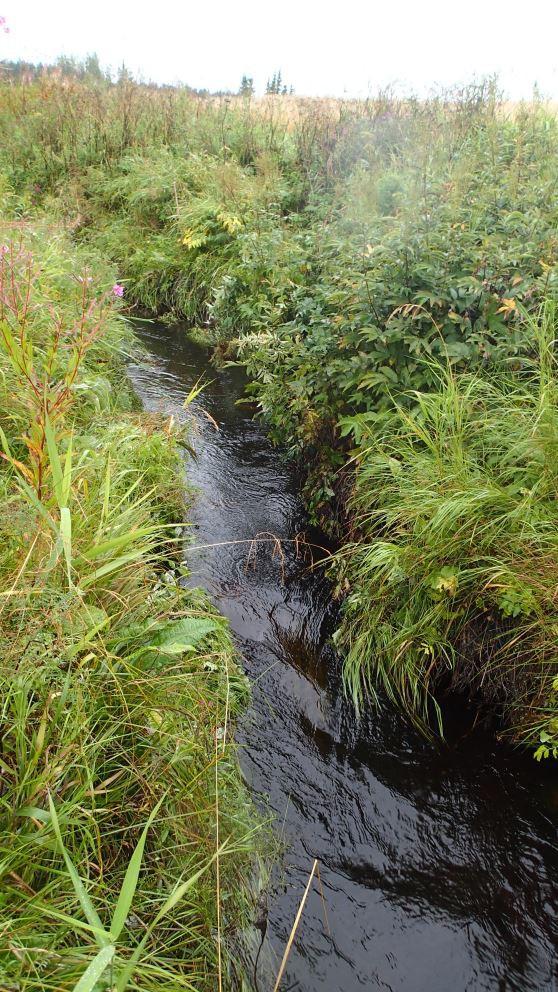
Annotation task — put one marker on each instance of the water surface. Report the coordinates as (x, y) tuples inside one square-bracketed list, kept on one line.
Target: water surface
[(439, 863)]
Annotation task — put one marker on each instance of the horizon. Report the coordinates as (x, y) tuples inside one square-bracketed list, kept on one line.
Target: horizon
[(367, 51)]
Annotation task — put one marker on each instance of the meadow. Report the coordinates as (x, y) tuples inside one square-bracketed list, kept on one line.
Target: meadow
[(386, 270)]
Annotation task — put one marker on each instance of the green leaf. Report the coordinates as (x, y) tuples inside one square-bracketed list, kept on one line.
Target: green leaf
[(130, 882), (101, 935), (13, 349), (66, 536), (541, 752), (71, 921), (114, 543), (456, 349), (5, 444), (111, 566), (35, 812), (67, 477), (176, 895), (180, 635), (98, 965), (55, 463)]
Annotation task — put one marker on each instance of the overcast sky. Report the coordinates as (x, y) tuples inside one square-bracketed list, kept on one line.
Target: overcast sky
[(344, 47)]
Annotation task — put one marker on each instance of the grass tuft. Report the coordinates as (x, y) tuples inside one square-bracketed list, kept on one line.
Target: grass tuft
[(455, 572)]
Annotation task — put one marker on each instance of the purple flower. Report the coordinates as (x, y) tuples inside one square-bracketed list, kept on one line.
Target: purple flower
[(117, 289)]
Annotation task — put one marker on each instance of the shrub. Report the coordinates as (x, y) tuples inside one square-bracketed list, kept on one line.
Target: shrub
[(454, 574)]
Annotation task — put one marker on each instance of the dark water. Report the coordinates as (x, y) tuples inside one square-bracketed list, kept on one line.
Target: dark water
[(439, 864)]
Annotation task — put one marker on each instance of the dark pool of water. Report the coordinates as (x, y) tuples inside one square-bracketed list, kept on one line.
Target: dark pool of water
[(439, 863)]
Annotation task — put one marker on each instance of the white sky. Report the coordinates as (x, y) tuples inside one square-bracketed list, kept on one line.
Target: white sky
[(346, 46)]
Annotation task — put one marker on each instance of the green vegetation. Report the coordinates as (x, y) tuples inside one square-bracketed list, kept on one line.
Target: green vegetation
[(125, 832), (380, 268), (455, 570)]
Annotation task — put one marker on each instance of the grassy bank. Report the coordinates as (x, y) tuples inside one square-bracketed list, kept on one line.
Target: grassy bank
[(453, 577), (359, 257), (125, 832)]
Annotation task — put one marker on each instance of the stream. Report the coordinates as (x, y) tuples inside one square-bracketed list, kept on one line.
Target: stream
[(439, 863)]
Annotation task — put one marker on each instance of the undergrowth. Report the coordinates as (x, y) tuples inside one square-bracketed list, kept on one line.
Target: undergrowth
[(455, 572), (342, 250), (126, 837)]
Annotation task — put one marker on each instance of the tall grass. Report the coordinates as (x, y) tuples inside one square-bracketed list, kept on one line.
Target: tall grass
[(124, 827), (455, 572)]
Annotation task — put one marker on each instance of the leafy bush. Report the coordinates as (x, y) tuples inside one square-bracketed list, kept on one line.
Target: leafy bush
[(378, 297), (453, 576)]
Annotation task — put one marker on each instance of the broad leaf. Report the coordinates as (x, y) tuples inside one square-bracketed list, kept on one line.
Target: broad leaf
[(181, 635)]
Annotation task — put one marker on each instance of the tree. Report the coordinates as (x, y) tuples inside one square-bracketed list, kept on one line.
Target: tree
[(246, 86), (124, 75), (92, 67), (276, 85)]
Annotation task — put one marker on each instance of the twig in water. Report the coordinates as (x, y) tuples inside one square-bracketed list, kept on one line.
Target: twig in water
[(295, 927)]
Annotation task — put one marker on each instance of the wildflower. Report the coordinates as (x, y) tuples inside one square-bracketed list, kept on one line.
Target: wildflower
[(4, 249), (118, 290)]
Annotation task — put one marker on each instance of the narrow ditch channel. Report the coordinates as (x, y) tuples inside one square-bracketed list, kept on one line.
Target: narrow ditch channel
[(439, 863)]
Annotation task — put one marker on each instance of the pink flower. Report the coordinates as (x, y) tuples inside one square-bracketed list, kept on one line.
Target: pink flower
[(4, 250), (117, 289)]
